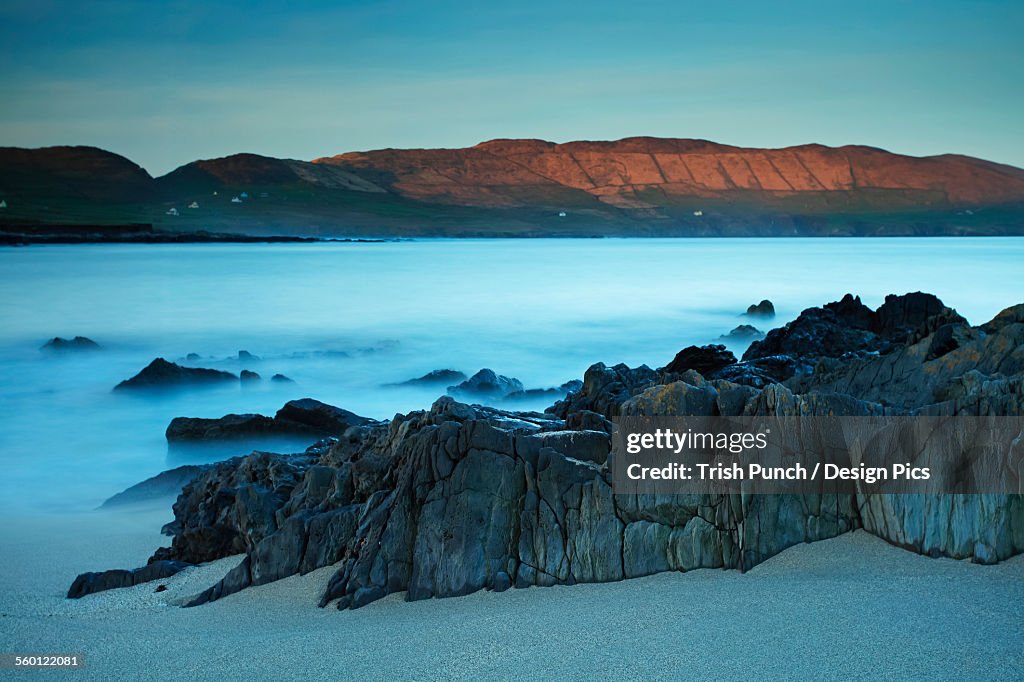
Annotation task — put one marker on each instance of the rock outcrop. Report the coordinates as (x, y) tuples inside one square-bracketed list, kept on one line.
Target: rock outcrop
[(763, 309), (89, 583), (486, 384), (742, 334), (61, 345), (305, 417), (163, 374), (437, 377), (458, 498)]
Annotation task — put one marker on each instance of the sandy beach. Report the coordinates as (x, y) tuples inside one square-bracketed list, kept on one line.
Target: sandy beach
[(853, 607)]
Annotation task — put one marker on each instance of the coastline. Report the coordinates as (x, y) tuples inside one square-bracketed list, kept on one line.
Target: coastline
[(837, 608)]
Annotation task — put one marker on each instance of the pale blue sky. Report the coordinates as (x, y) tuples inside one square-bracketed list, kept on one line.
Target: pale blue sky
[(168, 82)]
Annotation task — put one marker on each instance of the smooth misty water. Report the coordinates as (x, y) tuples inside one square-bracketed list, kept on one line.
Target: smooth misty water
[(344, 319)]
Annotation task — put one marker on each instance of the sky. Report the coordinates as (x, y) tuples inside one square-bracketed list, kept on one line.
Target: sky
[(165, 83)]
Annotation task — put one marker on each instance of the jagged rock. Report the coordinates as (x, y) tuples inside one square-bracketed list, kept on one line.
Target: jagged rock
[(742, 334), (759, 372), (763, 309), (486, 383), (703, 359), (62, 345), (248, 375), (437, 377), (246, 356), (165, 484), (847, 329), (604, 389), (459, 498), (90, 583), (163, 374)]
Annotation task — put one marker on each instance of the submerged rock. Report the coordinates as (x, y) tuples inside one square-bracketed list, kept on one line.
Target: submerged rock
[(163, 374), (61, 345)]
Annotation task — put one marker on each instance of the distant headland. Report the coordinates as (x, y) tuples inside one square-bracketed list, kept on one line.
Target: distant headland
[(641, 186)]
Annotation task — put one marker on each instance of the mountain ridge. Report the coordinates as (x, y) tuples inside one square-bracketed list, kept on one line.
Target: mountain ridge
[(632, 186)]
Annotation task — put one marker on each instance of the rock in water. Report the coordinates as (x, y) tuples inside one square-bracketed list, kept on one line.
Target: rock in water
[(306, 417), (444, 377), (228, 427), (61, 345), (165, 484), (324, 418), (742, 334), (249, 375), (486, 383), (763, 309), (163, 374), (282, 379), (548, 393)]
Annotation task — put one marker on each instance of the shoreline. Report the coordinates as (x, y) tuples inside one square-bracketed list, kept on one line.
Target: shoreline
[(10, 240), (810, 603)]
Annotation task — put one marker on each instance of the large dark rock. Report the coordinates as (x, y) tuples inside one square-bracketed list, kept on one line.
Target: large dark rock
[(486, 384), (163, 374), (703, 359), (849, 329), (231, 426), (306, 417), (62, 345), (321, 417)]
